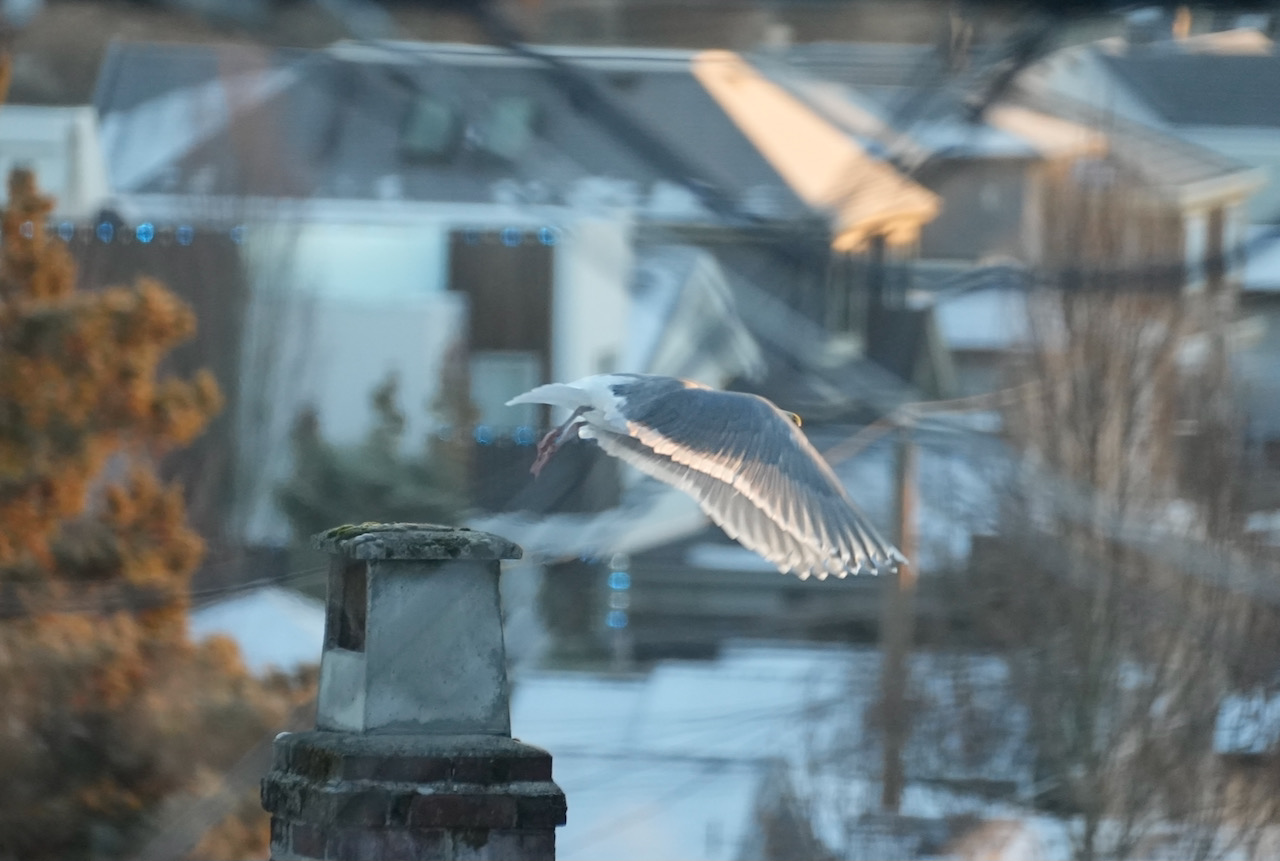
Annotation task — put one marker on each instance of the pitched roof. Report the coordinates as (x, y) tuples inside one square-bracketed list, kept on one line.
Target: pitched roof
[(332, 123), (906, 102), (871, 64), (825, 165), (1168, 163), (1204, 89), (911, 93)]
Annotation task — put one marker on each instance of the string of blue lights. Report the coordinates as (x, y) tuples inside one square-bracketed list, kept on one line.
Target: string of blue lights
[(108, 232), (619, 593)]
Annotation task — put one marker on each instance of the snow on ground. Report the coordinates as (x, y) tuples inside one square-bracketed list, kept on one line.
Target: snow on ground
[(1262, 266), (1248, 723), (274, 627), (670, 763)]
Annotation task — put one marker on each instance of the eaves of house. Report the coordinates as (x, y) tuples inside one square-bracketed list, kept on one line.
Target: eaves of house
[(648, 131), (421, 122)]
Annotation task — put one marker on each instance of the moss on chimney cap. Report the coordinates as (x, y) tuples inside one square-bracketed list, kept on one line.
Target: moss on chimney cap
[(425, 541)]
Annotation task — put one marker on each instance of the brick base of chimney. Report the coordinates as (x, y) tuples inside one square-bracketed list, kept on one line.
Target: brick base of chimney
[(367, 797)]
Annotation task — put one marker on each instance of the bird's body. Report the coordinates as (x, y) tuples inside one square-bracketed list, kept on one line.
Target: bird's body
[(745, 461)]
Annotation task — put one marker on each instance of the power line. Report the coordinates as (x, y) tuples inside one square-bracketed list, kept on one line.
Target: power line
[(108, 602)]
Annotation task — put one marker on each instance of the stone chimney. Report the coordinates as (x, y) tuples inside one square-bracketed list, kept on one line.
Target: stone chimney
[(412, 756)]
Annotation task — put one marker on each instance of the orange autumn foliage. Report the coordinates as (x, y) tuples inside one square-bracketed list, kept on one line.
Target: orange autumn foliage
[(107, 709)]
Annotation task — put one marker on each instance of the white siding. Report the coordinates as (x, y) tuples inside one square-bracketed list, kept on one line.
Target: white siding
[(334, 310), (591, 303), (61, 145)]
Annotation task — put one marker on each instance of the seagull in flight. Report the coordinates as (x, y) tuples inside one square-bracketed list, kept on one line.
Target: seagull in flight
[(745, 461)]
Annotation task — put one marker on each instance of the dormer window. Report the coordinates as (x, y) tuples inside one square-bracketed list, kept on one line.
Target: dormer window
[(431, 131)]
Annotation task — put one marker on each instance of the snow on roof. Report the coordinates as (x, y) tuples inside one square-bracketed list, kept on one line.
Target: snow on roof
[(981, 320), (649, 808), (956, 138), (173, 117), (668, 765), (1262, 265), (683, 708), (273, 627), (188, 116)]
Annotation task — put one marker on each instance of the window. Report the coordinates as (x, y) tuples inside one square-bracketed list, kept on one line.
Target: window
[(432, 130), (498, 376)]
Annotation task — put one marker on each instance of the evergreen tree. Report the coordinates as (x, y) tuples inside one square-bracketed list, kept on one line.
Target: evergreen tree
[(108, 709), (375, 480)]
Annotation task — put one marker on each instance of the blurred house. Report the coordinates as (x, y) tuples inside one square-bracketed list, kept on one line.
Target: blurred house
[(961, 281), (593, 210), (1219, 91), (1005, 174)]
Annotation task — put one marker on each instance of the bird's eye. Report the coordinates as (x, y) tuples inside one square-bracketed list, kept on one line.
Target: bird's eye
[(795, 419)]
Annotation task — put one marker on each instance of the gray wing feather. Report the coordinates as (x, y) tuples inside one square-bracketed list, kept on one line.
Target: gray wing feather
[(753, 472), (732, 512)]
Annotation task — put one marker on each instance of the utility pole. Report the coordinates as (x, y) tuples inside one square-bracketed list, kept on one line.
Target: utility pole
[(897, 625)]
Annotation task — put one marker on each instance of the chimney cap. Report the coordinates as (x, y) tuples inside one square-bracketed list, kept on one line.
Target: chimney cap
[(425, 541)]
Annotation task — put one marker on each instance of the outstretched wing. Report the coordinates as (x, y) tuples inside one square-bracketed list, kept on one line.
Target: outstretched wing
[(751, 470)]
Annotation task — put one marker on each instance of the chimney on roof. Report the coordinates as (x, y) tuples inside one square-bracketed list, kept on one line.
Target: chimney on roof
[(1150, 25), (1181, 27), (959, 41), (777, 38), (412, 756)]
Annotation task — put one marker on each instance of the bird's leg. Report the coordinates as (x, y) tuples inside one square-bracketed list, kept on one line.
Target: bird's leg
[(556, 438)]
